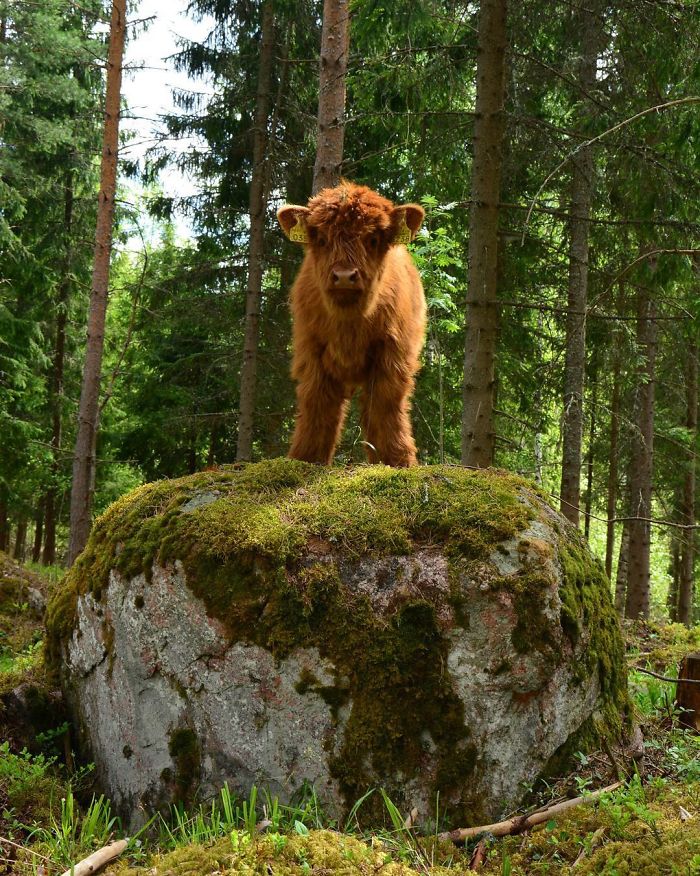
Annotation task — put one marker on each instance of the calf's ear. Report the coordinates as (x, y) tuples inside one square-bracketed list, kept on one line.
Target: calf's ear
[(407, 219), (293, 222)]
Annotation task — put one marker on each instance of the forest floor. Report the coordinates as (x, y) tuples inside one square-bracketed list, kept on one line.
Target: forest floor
[(50, 819)]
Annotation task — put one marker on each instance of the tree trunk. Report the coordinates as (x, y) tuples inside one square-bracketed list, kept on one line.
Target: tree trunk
[(56, 384), (21, 540), (638, 581), (612, 457), (88, 414), (688, 694), (589, 464), (257, 212), (335, 46), (622, 570), (687, 563), (478, 392), (4, 524), (674, 571), (575, 363), (38, 533)]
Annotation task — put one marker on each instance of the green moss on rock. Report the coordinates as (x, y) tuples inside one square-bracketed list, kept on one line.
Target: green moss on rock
[(259, 545), (184, 749)]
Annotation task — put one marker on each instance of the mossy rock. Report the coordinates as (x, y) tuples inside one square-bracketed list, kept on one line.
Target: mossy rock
[(427, 630)]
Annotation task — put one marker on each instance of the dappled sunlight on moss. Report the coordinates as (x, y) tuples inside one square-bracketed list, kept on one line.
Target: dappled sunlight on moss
[(637, 830), (318, 852)]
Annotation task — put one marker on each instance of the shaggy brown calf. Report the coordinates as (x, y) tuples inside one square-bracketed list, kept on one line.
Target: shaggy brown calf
[(359, 321)]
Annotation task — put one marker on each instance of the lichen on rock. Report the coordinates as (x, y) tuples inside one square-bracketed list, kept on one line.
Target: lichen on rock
[(430, 629)]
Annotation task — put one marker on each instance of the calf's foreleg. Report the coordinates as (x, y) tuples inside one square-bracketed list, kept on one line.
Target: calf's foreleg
[(321, 409)]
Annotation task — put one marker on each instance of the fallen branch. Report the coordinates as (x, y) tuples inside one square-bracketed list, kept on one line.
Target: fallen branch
[(521, 823), (666, 677), (97, 860)]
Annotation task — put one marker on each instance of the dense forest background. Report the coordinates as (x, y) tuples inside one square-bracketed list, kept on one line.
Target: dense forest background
[(582, 117)]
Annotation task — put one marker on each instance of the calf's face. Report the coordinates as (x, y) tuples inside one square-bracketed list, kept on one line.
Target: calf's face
[(348, 231)]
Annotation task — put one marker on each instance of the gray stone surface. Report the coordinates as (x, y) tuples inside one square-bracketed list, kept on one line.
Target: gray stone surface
[(146, 661)]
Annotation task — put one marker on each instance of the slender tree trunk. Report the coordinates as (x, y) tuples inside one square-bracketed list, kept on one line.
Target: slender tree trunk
[(687, 562), (88, 414), (478, 392), (335, 46), (56, 384), (539, 428), (38, 533), (257, 211), (575, 365), (638, 581), (674, 571), (622, 570), (4, 523), (589, 463), (612, 459), (21, 540)]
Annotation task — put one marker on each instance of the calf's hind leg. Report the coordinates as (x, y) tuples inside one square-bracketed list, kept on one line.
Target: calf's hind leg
[(321, 409)]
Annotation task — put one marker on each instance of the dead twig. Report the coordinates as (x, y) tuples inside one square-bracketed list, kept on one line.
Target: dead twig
[(99, 859), (521, 823), (666, 677)]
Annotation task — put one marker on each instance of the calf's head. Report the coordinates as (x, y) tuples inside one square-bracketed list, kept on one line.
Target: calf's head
[(348, 231)]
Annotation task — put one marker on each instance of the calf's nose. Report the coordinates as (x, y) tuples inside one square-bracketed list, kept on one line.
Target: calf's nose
[(345, 278)]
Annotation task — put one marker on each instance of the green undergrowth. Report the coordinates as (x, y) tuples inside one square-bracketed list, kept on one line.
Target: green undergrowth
[(263, 544), (20, 629), (660, 646)]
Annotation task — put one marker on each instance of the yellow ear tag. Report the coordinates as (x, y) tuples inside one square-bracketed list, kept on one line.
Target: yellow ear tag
[(298, 233), (403, 235)]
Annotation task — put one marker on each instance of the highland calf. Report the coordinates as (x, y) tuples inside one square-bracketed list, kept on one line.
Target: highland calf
[(359, 321)]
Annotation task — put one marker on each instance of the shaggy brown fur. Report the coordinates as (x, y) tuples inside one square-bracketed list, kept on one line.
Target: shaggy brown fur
[(359, 321)]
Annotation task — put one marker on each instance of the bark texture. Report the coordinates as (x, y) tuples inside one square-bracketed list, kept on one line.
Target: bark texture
[(589, 461), (614, 450), (56, 384), (88, 414), (577, 299), (38, 534), (21, 540), (687, 558), (622, 570), (4, 524), (638, 580), (478, 394), (335, 43), (257, 211)]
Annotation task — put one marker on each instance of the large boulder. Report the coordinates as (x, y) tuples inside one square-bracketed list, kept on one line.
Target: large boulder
[(425, 630)]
